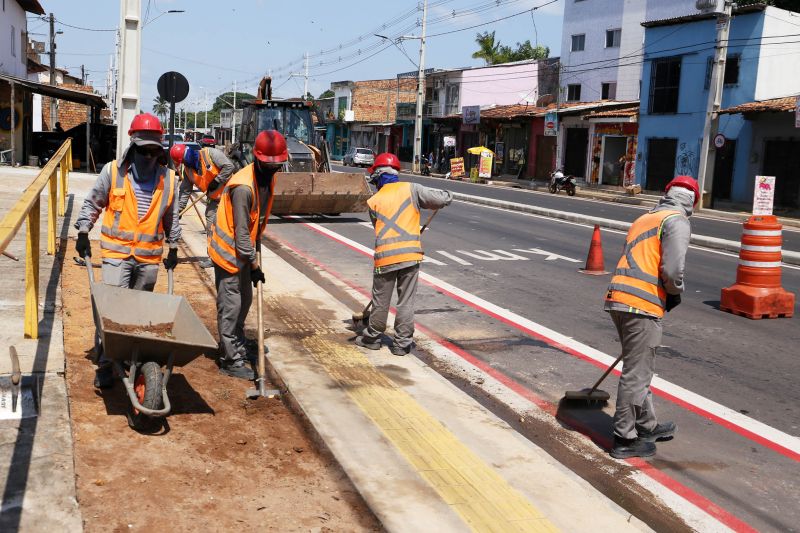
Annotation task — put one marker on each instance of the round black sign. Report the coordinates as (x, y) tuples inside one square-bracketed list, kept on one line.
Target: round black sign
[(173, 87)]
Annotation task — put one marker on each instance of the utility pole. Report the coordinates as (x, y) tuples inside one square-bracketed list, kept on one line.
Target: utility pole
[(233, 118), (53, 109), (420, 92), (705, 171), (83, 74), (205, 107), (129, 69), (305, 84)]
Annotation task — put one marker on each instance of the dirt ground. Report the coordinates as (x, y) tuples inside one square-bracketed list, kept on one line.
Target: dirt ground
[(221, 463)]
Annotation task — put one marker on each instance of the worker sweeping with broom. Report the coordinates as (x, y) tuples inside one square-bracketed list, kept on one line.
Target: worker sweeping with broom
[(395, 213)]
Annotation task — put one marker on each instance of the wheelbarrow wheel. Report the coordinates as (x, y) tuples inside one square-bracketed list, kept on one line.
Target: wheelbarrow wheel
[(148, 391)]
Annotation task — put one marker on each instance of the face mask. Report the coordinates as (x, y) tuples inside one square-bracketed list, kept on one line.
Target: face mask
[(146, 164)]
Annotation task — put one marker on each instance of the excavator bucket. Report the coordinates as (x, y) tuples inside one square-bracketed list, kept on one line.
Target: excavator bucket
[(324, 193)]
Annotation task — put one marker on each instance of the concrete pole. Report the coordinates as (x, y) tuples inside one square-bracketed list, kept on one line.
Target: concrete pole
[(305, 83), (53, 108), (420, 93), (129, 69), (233, 118), (705, 171)]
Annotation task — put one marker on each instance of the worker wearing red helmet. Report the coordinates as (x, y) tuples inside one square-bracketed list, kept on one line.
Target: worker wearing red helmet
[(244, 209), (208, 169), (647, 282), (139, 195), (395, 213)]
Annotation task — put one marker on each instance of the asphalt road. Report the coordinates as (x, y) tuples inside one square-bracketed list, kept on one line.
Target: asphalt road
[(701, 224), (529, 265)]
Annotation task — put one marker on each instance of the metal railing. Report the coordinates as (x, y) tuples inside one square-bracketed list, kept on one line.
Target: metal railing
[(28, 209)]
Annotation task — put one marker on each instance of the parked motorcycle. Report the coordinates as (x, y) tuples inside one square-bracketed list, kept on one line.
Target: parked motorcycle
[(561, 182), (426, 167)]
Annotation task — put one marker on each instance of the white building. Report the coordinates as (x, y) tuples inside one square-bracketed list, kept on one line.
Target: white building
[(601, 45)]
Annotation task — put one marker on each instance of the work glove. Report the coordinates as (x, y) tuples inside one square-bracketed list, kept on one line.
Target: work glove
[(213, 186), (83, 247), (673, 301), (171, 260), (257, 276)]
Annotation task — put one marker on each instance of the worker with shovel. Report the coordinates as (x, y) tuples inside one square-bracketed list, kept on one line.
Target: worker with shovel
[(244, 209), (395, 213), (208, 169), (648, 281), (138, 193)]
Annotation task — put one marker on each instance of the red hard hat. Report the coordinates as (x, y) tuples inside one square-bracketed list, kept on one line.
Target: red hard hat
[(687, 182), (146, 122), (270, 147), (176, 153), (385, 159)]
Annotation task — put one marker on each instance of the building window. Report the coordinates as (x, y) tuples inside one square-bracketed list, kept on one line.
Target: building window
[(13, 42), (608, 91), (578, 43), (574, 92), (665, 79), (731, 70), (612, 38)]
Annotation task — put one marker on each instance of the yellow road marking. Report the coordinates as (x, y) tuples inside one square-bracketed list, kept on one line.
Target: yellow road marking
[(483, 498)]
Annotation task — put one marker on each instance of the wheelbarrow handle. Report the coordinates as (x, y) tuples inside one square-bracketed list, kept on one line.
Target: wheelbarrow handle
[(170, 281)]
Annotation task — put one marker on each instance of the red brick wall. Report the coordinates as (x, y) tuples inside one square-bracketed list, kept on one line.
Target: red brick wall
[(70, 114), (376, 100)]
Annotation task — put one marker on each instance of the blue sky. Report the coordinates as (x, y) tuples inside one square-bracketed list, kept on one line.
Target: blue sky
[(214, 43)]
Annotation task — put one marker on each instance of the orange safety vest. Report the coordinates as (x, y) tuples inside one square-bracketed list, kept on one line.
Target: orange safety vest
[(122, 234), (209, 172), (222, 246), (397, 237), (637, 282)]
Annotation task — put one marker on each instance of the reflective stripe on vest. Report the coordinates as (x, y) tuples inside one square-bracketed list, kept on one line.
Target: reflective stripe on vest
[(397, 236), (222, 244), (123, 234), (636, 281), (208, 173)]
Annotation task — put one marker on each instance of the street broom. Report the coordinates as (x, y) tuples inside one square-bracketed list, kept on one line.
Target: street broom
[(261, 390), (594, 394)]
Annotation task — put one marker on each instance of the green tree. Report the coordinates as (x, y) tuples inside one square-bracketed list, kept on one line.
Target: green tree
[(225, 101), (487, 48), (327, 94), (495, 53), (160, 107)]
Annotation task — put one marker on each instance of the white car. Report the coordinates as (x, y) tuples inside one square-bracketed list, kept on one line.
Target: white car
[(359, 157)]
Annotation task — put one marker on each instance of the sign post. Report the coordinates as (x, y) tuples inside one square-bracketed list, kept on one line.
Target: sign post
[(173, 87), (764, 195)]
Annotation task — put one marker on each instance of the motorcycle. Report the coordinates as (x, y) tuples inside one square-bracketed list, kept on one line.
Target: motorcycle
[(426, 168), (560, 182)]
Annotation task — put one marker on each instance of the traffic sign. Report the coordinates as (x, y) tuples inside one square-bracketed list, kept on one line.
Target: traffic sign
[(173, 87), (719, 140)]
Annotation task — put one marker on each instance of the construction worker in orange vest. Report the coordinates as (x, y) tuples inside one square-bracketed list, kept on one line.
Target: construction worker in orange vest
[(208, 169), (647, 282), (139, 195), (244, 209), (395, 213)]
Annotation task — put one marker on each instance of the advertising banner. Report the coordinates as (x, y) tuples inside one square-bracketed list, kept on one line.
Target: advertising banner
[(764, 195), (485, 167), (457, 167), (551, 124)]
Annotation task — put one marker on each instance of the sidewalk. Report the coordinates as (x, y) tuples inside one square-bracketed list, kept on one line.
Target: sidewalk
[(423, 454), (36, 462)]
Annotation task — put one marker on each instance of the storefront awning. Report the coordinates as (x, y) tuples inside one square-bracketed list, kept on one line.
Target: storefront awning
[(53, 91)]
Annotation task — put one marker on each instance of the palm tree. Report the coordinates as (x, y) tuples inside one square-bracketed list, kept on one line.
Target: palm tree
[(489, 49), (160, 107)]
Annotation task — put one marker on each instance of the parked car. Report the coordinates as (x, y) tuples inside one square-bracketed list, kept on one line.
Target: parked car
[(208, 141), (359, 157), (175, 140)]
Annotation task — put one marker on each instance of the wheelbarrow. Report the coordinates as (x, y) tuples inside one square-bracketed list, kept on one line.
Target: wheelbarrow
[(142, 332)]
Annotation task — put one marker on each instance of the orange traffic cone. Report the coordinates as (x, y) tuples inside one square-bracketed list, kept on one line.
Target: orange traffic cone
[(594, 261)]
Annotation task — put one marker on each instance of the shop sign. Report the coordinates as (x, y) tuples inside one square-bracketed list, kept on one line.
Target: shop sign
[(457, 167), (551, 124), (485, 166), (764, 195), (471, 114), (449, 141), (719, 140)]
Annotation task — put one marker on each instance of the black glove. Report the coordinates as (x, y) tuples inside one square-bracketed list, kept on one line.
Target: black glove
[(213, 186), (256, 276), (172, 259), (673, 301), (83, 247)]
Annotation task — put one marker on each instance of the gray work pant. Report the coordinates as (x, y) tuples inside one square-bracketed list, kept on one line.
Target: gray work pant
[(383, 286), (211, 215), (640, 336), (234, 297)]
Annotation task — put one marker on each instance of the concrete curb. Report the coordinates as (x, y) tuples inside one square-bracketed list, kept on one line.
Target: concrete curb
[(789, 257)]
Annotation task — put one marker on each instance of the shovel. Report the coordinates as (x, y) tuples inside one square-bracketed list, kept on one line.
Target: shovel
[(261, 391), (594, 394), (358, 318)]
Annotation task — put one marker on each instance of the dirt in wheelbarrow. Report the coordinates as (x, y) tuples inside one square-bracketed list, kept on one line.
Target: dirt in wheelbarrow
[(163, 330), (223, 464)]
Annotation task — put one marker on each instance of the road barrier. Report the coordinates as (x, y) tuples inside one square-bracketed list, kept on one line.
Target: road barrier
[(27, 209), (757, 292)]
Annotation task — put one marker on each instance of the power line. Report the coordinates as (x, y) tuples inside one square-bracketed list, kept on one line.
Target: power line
[(84, 29)]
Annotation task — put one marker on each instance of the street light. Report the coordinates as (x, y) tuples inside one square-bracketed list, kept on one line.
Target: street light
[(399, 39), (162, 14)]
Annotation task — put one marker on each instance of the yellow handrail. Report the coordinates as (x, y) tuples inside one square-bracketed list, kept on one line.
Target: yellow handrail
[(28, 208)]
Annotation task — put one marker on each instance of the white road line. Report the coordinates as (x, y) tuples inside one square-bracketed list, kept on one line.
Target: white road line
[(454, 258), (549, 255), (494, 255), (730, 418)]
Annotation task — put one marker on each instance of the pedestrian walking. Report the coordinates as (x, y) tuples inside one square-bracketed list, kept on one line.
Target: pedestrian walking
[(395, 213), (647, 282), (208, 169), (244, 209), (138, 193)]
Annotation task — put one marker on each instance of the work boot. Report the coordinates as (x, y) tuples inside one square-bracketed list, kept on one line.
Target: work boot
[(104, 376), (661, 432), (206, 263), (238, 368), (251, 345), (397, 350), (626, 448), (370, 345)]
